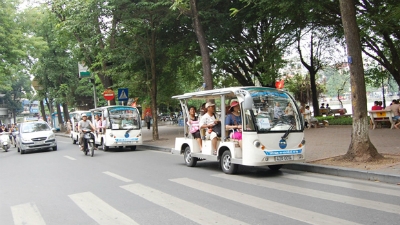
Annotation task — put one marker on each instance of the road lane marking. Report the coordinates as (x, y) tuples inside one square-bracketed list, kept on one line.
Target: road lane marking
[(26, 214), (349, 185), (381, 206), (99, 210), (184, 208), (66, 142), (263, 204), (117, 176), (69, 157)]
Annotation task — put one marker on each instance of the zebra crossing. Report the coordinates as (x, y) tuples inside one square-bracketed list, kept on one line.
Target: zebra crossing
[(97, 209)]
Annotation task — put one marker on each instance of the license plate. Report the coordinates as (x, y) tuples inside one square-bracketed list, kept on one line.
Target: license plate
[(38, 142), (284, 158)]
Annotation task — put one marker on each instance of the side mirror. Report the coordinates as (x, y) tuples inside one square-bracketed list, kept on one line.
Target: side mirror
[(248, 101), (53, 129)]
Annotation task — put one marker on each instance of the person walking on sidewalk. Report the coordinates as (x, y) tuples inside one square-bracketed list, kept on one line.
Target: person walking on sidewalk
[(147, 118), (68, 126)]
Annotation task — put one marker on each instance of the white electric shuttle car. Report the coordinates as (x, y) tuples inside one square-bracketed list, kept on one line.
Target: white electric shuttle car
[(269, 136)]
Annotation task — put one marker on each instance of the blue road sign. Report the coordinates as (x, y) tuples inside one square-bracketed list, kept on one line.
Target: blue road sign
[(123, 94)]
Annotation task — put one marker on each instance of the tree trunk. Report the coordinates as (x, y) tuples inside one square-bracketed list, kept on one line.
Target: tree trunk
[(314, 94), (361, 148), (153, 90), (42, 110), (65, 112), (312, 67), (49, 103), (60, 119), (205, 52)]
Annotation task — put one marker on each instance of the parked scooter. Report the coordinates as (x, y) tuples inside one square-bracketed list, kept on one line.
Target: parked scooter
[(5, 141), (88, 142)]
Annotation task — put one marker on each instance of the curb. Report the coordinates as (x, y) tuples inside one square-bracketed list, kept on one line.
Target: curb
[(152, 147), (344, 172)]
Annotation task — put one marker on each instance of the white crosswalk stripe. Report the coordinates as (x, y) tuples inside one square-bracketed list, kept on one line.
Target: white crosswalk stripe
[(189, 210), (69, 157), (343, 184), (316, 194), (263, 204), (26, 214), (116, 176), (99, 210), (103, 213)]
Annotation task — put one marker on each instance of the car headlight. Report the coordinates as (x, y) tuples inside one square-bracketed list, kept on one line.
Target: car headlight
[(24, 139), (52, 136)]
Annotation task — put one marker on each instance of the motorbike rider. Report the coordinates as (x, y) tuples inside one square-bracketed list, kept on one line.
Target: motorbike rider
[(12, 129), (84, 124)]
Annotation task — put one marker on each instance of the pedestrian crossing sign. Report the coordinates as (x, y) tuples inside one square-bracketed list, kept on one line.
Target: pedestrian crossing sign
[(123, 94)]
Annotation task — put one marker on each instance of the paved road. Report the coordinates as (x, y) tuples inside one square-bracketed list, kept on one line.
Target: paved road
[(154, 187), (320, 143)]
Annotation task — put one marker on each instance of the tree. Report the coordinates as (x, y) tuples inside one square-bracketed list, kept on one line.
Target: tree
[(253, 42), (94, 34), (14, 60), (379, 23), (338, 80), (193, 12), (361, 148), (300, 87), (318, 45)]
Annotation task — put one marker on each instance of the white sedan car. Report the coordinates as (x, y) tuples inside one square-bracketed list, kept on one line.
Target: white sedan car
[(35, 136)]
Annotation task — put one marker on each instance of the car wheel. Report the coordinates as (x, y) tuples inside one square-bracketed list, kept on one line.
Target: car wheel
[(22, 152), (133, 148), (226, 163), (189, 160), (275, 167), (55, 148), (105, 148)]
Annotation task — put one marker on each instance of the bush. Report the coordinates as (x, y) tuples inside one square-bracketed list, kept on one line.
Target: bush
[(336, 120)]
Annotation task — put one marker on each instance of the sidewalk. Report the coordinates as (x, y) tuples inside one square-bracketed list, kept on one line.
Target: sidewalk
[(321, 143)]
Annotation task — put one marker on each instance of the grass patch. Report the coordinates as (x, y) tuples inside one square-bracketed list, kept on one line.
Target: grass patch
[(336, 120)]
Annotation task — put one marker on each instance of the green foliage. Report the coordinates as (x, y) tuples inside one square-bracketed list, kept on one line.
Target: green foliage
[(336, 120), (375, 76), (14, 61), (300, 87), (337, 82)]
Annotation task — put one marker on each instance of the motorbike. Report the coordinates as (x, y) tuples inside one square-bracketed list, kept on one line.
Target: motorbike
[(88, 142), (5, 141), (13, 138)]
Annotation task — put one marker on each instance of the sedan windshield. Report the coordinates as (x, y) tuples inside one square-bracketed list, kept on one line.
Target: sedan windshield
[(34, 127)]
